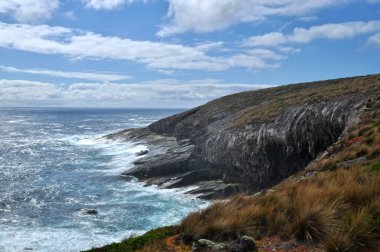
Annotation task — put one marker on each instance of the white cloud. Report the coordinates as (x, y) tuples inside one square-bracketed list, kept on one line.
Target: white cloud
[(374, 40), (268, 39), (209, 46), (327, 31), (103, 77), (28, 11), (105, 4), (266, 54), (80, 44), (373, 1), (14, 91), (159, 93), (212, 15), (69, 15)]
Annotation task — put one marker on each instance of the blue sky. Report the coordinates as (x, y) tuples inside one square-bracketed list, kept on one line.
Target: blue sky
[(177, 53)]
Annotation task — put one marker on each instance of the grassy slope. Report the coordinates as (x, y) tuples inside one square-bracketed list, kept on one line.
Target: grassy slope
[(265, 104), (335, 202), (138, 242)]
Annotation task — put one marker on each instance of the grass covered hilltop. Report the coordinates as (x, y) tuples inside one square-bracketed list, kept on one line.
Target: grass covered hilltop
[(332, 203)]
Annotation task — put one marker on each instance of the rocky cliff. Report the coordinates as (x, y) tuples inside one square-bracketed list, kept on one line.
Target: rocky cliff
[(251, 140)]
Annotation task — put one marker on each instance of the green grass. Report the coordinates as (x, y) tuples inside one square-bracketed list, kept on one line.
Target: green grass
[(374, 167), (138, 242)]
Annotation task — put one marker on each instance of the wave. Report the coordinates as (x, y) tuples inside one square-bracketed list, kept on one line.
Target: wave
[(18, 239), (122, 154)]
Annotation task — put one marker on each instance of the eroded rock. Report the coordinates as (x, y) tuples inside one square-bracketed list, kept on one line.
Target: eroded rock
[(249, 141)]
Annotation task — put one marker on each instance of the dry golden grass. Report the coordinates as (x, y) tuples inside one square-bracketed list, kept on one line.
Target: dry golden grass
[(338, 208), (313, 210)]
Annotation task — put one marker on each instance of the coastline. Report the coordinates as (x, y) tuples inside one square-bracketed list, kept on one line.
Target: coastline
[(329, 141)]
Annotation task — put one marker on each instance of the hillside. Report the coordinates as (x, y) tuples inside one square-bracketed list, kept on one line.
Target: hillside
[(329, 204), (252, 140)]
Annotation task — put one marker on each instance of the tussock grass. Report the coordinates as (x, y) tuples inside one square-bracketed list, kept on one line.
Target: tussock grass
[(339, 207), (321, 209)]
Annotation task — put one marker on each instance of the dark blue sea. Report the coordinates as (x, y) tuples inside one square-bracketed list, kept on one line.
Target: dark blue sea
[(54, 165)]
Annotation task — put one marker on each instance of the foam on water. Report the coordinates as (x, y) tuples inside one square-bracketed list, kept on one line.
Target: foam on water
[(51, 170), (122, 153), (49, 239)]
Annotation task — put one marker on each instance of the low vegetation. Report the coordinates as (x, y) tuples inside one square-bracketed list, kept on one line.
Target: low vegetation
[(334, 203), (138, 242), (265, 104), (340, 209)]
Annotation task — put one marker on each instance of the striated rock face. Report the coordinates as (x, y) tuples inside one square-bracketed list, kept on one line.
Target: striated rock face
[(251, 140)]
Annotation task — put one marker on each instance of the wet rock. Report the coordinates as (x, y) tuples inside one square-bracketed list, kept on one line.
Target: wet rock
[(90, 212), (142, 153)]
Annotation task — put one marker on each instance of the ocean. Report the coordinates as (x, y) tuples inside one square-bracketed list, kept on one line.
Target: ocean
[(54, 165)]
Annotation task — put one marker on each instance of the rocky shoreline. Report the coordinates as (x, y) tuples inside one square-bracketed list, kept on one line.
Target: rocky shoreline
[(249, 141), (165, 164)]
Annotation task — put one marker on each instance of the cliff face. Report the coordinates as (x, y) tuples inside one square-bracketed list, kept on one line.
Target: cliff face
[(251, 140)]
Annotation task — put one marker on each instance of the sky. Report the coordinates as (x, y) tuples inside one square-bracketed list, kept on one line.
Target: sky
[(177, 53)]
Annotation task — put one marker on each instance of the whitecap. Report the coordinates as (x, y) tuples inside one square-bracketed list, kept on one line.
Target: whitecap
[(62, 240), (15, 121)]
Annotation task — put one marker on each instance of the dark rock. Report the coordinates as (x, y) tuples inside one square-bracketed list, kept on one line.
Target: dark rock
[(90, 212), (242, 244), (350, 163), (249, 141), (204, 245), (142, 153)]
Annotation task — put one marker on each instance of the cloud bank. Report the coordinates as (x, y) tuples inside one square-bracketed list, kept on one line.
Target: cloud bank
[(103, 77), (160, 93)]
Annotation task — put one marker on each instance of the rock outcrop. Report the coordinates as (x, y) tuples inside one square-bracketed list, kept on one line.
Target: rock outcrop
[(251, 140)]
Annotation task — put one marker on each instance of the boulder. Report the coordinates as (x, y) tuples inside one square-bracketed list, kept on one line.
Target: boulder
[(90, 212), (242, 244), (204, 245)]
